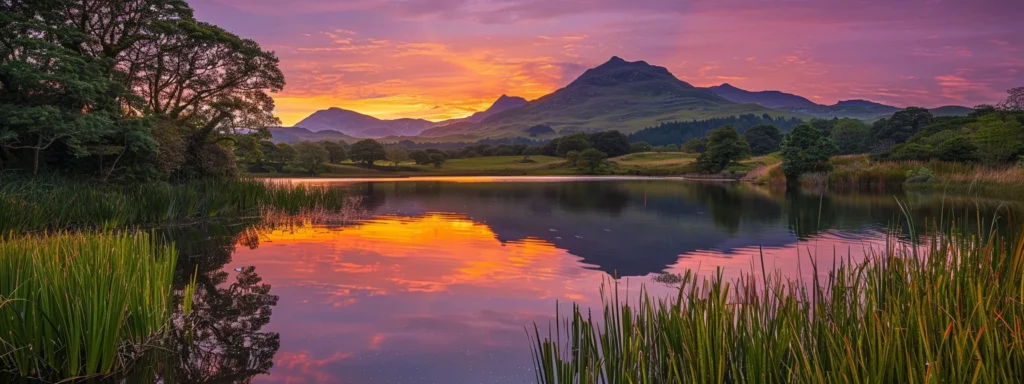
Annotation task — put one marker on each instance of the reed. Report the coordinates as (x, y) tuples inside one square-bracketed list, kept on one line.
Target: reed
[(52, 204), (947, 311), (75, 305)]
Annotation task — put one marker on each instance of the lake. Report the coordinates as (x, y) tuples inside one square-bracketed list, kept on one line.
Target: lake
[(437, 280)]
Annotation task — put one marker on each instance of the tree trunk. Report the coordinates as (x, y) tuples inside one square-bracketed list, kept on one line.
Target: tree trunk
[(35, 161)]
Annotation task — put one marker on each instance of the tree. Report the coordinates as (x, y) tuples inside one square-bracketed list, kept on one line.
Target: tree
[(335, 151), (698, 145), (1014, 101), (590, 160), (612, 143), (310, 156), (577, 142), (724, 147), (901, 126), (640, 146), (851, 136), (805, 149), (420, 157), (999, 138), (959, 149), (285, 153), (436, 159), (367, 151), (763, 139), (396, 155)]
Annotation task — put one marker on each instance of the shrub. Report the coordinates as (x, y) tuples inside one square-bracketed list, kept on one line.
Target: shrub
[(958, 149), (920, 175), (912, 152)]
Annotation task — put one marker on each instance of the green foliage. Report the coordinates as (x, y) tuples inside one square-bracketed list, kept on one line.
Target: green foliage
[(577, 142), (947, 311), (851, 136), (763, 139), (367, 152), (959, 149), (912, 152), (901, 126), (698, 145), (612, 143), (920, 175), (335, 151), (90, 97), (310, 156), (805, 150), (49, 203), (640, 147), (396, 155), (725, 146), (420, 157), (590, 160), (999, 138), (80, 305), (437, 159)]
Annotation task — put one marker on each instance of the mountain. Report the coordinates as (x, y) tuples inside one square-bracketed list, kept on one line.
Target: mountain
[(295, 134), (770, 99), (356, 124), (855, 109), (622, 95), (503, 103)]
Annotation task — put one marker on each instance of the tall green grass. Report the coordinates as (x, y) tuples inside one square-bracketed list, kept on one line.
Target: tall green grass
[(74, 305), (28, 205), (948, 311)]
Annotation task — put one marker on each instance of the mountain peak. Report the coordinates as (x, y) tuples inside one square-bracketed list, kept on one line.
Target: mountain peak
[(617, 71)]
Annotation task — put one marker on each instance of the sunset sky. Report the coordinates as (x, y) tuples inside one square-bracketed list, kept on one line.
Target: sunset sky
[(439, 59)]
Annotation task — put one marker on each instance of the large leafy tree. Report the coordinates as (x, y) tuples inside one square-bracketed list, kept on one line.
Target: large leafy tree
[(805, 149), (763, 139), (91, 77), (367, 152), (901, 126), (724, 147), (612, 143), (851, 136)]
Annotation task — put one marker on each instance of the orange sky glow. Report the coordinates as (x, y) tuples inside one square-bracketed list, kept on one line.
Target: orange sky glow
[(442, 59)]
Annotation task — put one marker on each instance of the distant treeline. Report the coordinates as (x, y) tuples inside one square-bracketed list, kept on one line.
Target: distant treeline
[(411, 145), (679, 132)]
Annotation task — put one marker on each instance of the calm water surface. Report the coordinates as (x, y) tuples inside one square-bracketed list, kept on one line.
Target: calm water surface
[(434, 281)]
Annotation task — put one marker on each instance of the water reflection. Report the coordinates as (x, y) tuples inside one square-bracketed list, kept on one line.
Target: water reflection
[(438, 280)]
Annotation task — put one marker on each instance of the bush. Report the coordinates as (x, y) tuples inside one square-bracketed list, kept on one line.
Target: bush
[(958, 149), (920, 175), (912, 151)]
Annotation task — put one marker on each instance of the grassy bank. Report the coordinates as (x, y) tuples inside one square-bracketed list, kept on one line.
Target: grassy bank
[(81, 305), (40, 204), (642, 164), (949, 311), (858, 173)]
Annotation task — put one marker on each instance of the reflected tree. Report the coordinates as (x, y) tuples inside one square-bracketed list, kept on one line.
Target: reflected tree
[(221, 340)]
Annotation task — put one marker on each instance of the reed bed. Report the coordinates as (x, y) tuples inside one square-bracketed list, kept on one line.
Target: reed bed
[(55, 204), (76, 306), (947, 311)]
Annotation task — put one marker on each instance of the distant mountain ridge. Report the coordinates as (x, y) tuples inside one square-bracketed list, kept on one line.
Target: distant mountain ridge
[(355, 124), (856, 109), (618, 94)]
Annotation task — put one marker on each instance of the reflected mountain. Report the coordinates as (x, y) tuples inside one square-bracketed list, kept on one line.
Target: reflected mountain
[(638, 227)]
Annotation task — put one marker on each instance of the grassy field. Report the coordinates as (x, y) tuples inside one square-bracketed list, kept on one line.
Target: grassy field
[(639, 164), (479, 166)]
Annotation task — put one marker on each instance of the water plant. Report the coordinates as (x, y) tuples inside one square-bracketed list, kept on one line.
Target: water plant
[(57, 204), (76, 305), (947, 311)]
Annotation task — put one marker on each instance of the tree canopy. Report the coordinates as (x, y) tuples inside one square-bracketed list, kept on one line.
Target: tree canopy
[(724, 147), (367, 152), (132, 88), (763, 139), (805, 149)]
